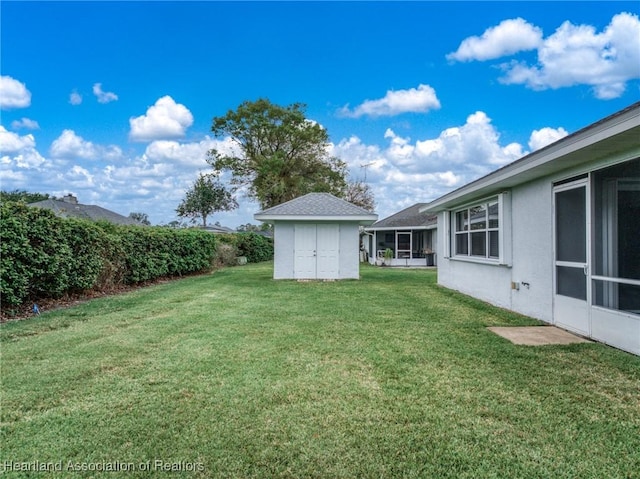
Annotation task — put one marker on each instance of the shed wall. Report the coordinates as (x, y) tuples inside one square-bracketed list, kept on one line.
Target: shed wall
[(349, 251), (284, 250)]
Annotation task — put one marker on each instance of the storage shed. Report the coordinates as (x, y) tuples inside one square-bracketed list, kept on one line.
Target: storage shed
[(316, 236)]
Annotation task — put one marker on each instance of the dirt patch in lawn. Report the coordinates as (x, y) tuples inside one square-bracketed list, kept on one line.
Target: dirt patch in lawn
[(537, 335)]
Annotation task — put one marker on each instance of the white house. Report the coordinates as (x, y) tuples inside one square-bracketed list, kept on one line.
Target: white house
[(316, 236), (556, 234), (410, 234)]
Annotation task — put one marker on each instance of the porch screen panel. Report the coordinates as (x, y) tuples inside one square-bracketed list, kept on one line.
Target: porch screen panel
[(571, 282), (616, 284), (571, 226)]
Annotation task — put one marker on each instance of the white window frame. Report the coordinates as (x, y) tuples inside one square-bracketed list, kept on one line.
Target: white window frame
[(503, 201)]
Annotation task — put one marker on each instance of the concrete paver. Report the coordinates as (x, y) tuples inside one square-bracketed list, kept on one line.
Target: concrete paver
[(537, 335)]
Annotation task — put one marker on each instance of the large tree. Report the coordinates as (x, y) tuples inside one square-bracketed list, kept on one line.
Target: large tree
[(279, 153), (360, 194), (206, 196), (140, 217)]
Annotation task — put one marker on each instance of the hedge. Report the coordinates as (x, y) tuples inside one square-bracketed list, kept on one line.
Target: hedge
[(254, 247), (46, 256)]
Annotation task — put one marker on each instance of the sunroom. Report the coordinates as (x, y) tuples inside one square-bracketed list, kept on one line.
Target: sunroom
[(406, 238)]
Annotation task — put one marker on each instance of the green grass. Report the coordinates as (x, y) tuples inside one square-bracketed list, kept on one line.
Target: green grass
[(243, 376)]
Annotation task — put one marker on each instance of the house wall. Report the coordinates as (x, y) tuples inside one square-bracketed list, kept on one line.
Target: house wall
[(531, 261), (532, 249), (284, 250)]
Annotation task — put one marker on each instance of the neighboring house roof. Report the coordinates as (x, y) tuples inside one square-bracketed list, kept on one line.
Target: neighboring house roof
[(218, 229), (615, 134), (408, 218), (69, 209), (317, 207)]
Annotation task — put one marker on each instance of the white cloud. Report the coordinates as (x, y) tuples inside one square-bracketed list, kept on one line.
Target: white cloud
[(400, 170), (13, 143), (25, 123), (78, 177), (509, 37), (71, 146), (572, 55), (164, 120), (475, 143), (75, 98), (17, 152), (187, 154), (103, 96), (545, 136), (405, 171), (413, 100), (578, 55), (13, 94)]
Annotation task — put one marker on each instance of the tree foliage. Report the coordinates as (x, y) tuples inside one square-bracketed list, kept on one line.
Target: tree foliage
[(142, 218), (206, 196), (23, 196), (279, 153), (249, 227), (360, 194)]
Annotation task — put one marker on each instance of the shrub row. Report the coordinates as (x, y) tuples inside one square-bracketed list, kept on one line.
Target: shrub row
[(46, 256), (256, 248)]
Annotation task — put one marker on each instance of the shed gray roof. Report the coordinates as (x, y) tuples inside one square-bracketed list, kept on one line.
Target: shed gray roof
[(65, 209), (408, 218), (317, 206)]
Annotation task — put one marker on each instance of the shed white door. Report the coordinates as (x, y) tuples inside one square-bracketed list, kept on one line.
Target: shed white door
[(571, 273), (316, 251), (328, 239)]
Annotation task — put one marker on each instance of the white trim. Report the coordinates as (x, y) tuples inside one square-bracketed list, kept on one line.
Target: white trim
[(503, 203), (479, 260), (505, 228), (633, 282), (446, 220), (570, 312), (363, 219)]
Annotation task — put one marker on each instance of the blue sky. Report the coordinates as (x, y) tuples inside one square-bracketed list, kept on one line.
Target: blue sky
[(113, 101)]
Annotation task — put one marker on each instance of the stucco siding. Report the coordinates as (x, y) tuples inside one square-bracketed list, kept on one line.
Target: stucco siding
[(488, 283), (532, 250)]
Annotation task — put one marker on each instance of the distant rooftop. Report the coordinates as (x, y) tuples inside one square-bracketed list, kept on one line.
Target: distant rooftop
[(68, 207), (408, 218)]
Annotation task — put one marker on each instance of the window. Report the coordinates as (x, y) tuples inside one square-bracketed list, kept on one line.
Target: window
[(477, 230)]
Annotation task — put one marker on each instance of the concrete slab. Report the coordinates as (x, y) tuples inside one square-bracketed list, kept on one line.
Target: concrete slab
[(537, 335)]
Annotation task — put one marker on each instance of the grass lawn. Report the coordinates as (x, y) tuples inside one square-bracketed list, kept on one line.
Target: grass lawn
[(236, 375)]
